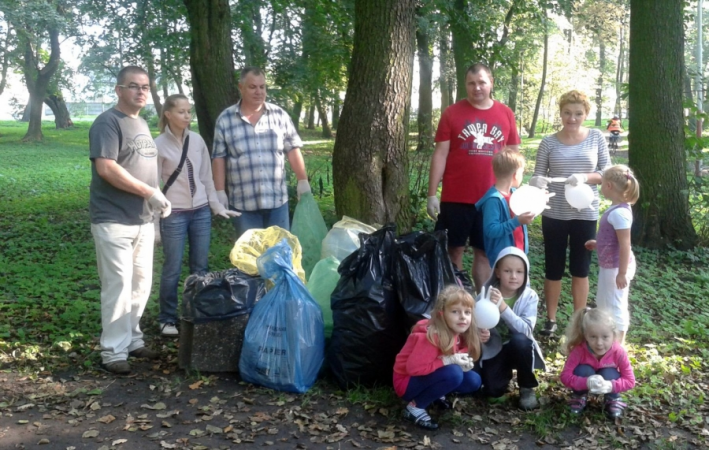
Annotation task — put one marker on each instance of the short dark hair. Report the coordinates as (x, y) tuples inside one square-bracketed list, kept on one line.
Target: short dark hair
[(477, 67), (121, 78), (257, 71)]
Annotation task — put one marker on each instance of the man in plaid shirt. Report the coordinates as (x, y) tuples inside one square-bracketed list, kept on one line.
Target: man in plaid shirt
[(252, 139)]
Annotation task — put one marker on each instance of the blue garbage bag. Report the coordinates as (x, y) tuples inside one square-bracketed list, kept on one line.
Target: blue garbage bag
[(284, 342)]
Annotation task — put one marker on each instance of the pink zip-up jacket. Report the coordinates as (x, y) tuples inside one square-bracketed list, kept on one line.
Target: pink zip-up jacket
[(616, 358), (418, 357)]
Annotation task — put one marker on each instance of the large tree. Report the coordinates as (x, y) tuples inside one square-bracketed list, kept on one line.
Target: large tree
[(657, 152), (370, 170), (214, 83)]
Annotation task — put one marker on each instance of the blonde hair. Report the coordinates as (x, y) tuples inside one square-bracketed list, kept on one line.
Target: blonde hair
[(580, 322), (506, 162), (623, 181), (170, 103), (577, 97), (440, 335)]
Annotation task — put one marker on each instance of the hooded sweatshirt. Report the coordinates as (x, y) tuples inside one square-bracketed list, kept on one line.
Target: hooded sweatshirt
[(418, 357), (498, 226), (520, 318), (615, 358)]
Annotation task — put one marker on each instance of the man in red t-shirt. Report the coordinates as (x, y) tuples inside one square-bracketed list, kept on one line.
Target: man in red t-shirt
[(470, 132)]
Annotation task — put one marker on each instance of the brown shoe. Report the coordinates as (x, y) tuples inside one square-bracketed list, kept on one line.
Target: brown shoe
[(144, 352), (118, 367)]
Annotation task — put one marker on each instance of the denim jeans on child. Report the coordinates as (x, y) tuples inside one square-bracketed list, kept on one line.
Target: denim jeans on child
[(427, 388), (608, 373), (180, 226)]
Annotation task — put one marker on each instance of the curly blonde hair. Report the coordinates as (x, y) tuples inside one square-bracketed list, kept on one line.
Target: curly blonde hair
[(624, 181), (575, 97), (440, 335), (580, 321)]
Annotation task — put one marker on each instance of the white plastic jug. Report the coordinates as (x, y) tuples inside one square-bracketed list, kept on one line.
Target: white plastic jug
[(487, 314), (579, 196)]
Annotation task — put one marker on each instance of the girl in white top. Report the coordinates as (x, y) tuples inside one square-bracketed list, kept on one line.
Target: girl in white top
[(192, 194), (615, 257)]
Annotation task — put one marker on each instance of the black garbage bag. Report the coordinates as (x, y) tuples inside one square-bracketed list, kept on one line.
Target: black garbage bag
[(421, 269), (220, 295), (369, 324), (464, 280)]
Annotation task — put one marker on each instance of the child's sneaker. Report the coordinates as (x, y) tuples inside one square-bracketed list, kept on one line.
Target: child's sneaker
[(442, 403), (613, 408), (528, 399), (419, 417), (577, 403), (549, 328)]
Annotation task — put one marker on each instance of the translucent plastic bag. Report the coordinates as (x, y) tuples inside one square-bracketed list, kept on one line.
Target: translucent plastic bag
[(255, 242), (343, 239), (321, 284), (309, 227), (284, 344)]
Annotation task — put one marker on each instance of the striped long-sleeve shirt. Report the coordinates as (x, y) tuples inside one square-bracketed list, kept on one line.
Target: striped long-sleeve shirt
[(555, 159)]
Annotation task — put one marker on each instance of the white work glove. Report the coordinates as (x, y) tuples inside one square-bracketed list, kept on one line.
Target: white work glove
[(576, 179), (597, 385), (303, 188), (160, 203), (433, 207), (223, 199), (539, 182), (221, 211), (460, 359), (156, 223)]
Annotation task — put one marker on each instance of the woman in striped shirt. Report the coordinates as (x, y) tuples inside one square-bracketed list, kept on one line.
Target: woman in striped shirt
[(580, 155)]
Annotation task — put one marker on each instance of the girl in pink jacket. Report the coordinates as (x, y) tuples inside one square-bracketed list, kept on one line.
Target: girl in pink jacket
[(597, 363), (438, 357)]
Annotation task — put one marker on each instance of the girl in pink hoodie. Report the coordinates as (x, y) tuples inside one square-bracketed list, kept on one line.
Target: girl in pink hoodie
[(438, 357), (597, 363)]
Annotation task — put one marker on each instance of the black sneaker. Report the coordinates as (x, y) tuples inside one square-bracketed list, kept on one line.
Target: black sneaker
[(442, 403), (549, 328), (422, 422)]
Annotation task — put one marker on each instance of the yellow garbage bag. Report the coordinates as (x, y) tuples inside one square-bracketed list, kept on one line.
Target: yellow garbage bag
[(256, 241)]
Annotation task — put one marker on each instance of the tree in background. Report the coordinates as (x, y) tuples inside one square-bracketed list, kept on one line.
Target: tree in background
[(8, 48), (370, 170), (657, 153)]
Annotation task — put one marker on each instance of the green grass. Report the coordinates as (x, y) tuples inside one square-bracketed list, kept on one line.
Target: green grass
[(49, 289)]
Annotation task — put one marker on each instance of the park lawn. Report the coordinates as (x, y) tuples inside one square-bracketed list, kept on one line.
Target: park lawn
[(49, 291)]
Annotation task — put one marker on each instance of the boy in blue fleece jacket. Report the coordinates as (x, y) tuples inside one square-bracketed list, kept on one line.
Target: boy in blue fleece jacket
[(501, 228)]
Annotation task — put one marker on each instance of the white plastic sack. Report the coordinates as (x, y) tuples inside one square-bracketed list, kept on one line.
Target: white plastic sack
[(343, 238)]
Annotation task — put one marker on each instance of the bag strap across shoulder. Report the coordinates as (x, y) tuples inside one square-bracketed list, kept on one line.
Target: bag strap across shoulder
[(177, 171)]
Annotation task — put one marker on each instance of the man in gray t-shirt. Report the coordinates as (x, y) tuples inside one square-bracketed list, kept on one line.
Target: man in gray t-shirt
[(123, 196)]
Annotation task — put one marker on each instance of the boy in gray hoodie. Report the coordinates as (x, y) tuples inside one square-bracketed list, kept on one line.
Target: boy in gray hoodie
[(511, 345)]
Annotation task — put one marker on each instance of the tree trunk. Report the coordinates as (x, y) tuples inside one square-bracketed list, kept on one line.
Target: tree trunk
[(211, 62), (311, 115), (619, 73), (62, 119), (335, 110), (297, 110), (37, 81), (322, 113), (425, 111), (251, 32), (542, 85), (599, 89), (657, 140), (514, 81), (370, 158), (5, 64), (461, 45), (444, 82), (26, 113)]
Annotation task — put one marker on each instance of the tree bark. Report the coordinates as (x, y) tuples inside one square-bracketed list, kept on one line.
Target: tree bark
[(335, 110), (5, 64), (37, 81), (26, 113), (445, 84), (599, 89), (619, 73), (56, 102), (370, 158), (214, 84), (297, 110), (322, 114), (251, 32), (311, 115), (657, 152), (425, 110), (542, 85)]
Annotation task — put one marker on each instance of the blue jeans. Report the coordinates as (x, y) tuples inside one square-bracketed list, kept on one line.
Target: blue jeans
[(175, 229), (261, 218), (427, 388), (608, 373)]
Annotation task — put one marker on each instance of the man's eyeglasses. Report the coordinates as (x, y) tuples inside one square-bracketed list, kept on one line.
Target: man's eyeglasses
[(135, 87)]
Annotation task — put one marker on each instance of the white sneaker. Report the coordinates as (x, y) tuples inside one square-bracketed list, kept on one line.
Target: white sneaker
[(168, 329)]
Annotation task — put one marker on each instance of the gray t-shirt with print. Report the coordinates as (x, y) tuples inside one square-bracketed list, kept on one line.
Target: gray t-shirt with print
[(128, 141)]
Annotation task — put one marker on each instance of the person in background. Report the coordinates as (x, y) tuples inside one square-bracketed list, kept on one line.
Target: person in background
[(438, 357), (580, 155), (615, 257), (123, 196), (469, 134), (511, 344), (597, 363), (188, 185), (252, 139)]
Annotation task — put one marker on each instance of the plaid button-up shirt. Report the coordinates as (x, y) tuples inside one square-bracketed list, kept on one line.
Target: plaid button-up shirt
[(255, 156)]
